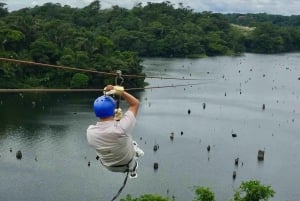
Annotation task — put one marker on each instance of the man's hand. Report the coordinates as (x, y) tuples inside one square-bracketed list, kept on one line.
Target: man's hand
[(118, 114), (118, 90)]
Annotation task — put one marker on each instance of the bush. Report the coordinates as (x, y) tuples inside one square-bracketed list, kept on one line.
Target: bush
[(146, 197), (79, 80), (204, 194), (253, 191)]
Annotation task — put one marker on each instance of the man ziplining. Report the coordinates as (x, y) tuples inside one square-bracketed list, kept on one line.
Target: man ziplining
[(112, 134)]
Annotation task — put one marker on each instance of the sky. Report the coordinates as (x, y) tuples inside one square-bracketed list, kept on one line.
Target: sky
[(281, 7)]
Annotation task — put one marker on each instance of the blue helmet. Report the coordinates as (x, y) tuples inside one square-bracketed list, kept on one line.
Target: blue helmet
[(104, 106)]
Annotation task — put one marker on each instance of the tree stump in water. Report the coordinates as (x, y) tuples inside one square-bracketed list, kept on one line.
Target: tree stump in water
[(155, 147), (172, 136), (236, 161), (234, 174), (155, 166), (19, 155), (208, 148), (260, 155)]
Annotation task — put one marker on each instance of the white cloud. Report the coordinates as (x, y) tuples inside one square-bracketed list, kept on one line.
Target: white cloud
[(283, 7)]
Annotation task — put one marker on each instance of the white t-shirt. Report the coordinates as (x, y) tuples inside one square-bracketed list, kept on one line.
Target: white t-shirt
[(113, 140)]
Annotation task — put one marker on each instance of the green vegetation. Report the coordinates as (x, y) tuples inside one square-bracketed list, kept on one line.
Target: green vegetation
[(254, 19), (115, 38), (147, 197), (251, 190), (53, 34), (204, 194)]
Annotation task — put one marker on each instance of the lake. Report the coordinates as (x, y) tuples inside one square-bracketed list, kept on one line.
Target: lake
[(49, 129)]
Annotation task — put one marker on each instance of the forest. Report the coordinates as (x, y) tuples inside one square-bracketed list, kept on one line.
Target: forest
[(117, 38)]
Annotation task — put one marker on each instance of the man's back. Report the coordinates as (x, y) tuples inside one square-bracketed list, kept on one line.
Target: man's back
[(113, 140)]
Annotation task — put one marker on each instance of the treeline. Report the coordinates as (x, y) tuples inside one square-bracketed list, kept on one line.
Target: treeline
[(254, 19), (271, 33), (51, 34), (115, 38)]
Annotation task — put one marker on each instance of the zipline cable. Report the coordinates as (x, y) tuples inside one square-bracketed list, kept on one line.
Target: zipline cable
[(87, 70), (53, 66), (88, 90)]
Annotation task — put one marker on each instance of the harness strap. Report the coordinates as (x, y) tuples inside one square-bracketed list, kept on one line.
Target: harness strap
[(122, 187), (126, 177), (125, 165)]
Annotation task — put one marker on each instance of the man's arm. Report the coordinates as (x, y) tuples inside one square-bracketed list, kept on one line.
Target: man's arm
[(133, 102)]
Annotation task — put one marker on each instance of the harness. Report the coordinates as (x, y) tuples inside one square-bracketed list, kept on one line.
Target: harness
[(118, 166)]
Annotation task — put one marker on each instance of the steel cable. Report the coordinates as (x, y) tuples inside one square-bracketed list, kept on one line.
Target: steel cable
[(86, 70)]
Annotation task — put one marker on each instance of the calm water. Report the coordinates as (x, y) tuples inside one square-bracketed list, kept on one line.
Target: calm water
[(50, 131)]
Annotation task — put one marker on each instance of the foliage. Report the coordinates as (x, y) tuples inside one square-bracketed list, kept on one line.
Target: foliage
[(253, 191), (111, 39), (3, 10), (79, 80), (146, 197), (253, 19), (204, 194)]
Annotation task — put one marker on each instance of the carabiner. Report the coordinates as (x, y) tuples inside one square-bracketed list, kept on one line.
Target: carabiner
[(119, 76)]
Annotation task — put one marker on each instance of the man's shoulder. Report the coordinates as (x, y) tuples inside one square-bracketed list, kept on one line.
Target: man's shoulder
[(129, 113), (90, 127)]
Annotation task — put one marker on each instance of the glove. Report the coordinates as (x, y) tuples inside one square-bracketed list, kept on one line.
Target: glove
[(118, 114), (117, 90)]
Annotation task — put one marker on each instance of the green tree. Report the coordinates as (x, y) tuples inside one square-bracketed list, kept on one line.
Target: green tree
[(204, 194), (215, 44), (102, 45), (267, 38), (146, 197), (44, 51), (79, 80), (253, 191), (11, 39), (295, 34), (3, 10)]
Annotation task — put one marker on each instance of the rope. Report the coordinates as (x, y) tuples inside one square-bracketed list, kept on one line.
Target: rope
[(122, 187), (47, 90), (160, 87), (53, 66), (87, 90), (86, 70)]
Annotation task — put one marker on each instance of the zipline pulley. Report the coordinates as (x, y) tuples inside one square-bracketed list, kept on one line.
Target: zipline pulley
[(119, 77)]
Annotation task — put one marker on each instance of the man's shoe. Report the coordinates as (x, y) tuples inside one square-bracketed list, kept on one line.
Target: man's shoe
[(133, 174), (138, 152)]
